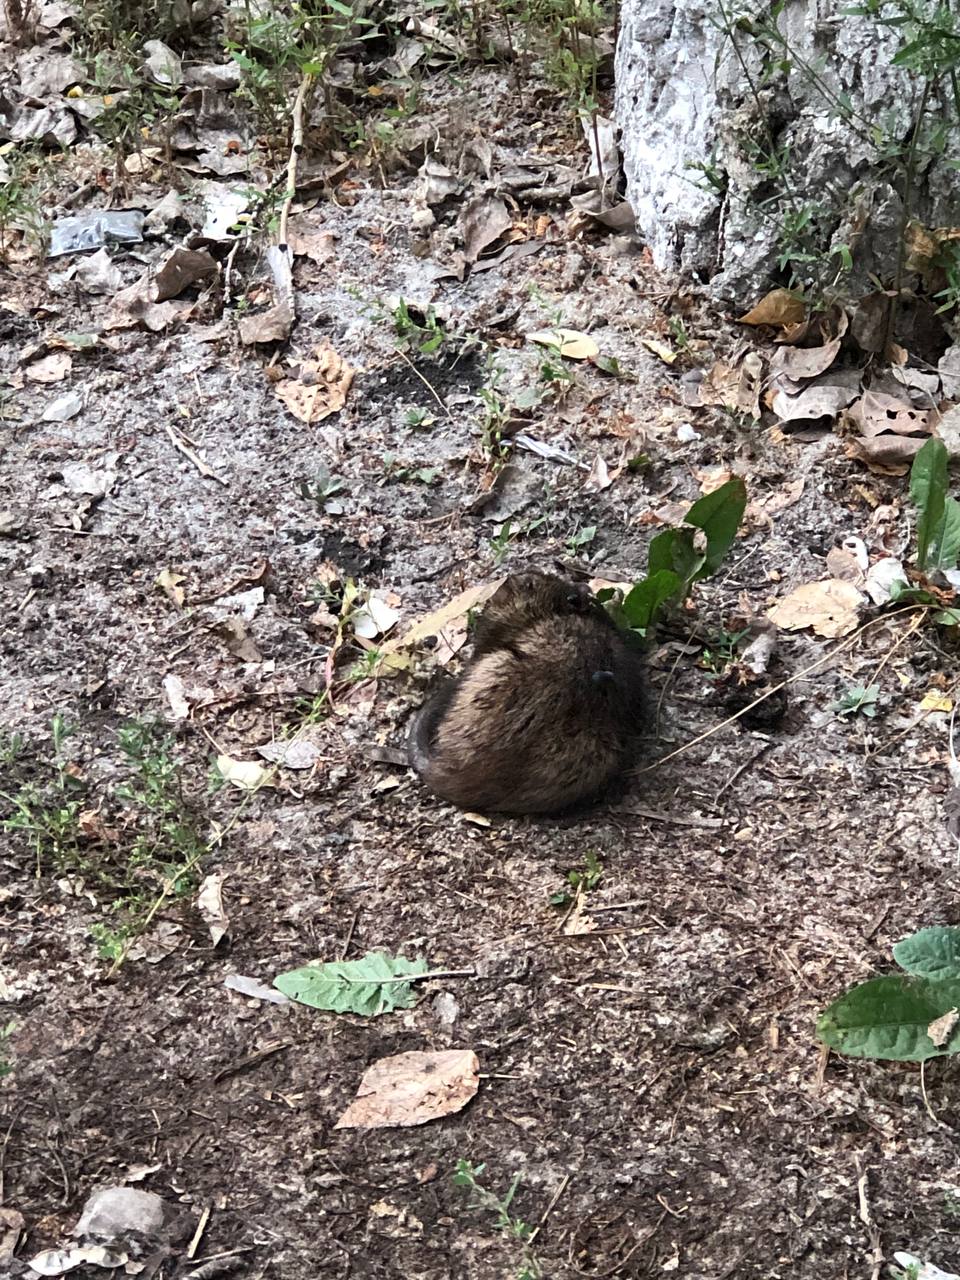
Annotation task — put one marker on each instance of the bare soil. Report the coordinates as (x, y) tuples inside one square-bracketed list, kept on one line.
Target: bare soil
[(657, 1081)]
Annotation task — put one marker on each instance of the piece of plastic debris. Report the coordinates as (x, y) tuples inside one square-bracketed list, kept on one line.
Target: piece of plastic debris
[(551, 452), (57, 1262), (686, 433), (113, 1211), (254, 989), (84, 231), (376, 618), (881, 577)]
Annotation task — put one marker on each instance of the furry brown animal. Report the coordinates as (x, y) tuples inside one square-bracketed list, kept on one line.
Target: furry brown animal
[(546, 714)]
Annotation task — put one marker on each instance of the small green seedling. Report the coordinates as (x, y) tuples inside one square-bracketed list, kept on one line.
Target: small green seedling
[(723, 650), (582, 538), (679, 558), (419, 418), (862, 699), (324, 489), (392, 470), (418, 330), (468, 1177), (579, 881)]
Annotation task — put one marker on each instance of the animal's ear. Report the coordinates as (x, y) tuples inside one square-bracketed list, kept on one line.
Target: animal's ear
[(579, 600), (604, 680)]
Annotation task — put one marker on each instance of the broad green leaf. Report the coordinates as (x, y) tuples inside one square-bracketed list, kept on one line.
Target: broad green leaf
[(928, 492), (889, 1017), (368, 986), (643, 600), (931, 953), (947, 617), (718, 514), (673, 550), (945, 542)]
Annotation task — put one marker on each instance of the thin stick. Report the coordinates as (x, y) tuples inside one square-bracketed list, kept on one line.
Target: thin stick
[(296, 146), (179, 443), (549, 1209), (923, 1091), (403, 356), (194, 1244)]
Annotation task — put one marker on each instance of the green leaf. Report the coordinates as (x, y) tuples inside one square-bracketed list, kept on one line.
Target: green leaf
[(945, 542), (931, 953), (888, 1017), (928, 492), (647, 597), (366, 986), (947, 617), (718, 514), (674, 550)]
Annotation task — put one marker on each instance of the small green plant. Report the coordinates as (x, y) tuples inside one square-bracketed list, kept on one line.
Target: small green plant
[(501, 541), (408, 475), (323, 491), (556, 374), (906, 1017), (579, 881), (21, 194), (679, 558), (467, 1176), (123, 843), (48, 814), (419, 419), (418, 330), (859, 699), (582, 538), (721, 651)]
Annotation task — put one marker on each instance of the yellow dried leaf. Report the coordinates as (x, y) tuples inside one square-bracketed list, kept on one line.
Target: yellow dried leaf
[(778, 307), (830, 608), (434, 623), (321, 388), (568, 342), (934, 701), (666, 354), (246, 775), (169, 584)]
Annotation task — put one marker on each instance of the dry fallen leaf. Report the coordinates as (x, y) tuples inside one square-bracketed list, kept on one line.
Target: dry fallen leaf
[(413, 1088), (169, 584), (434, 624), (934, 701), (831, 608), (734, 386), (778, 307), (210, 906), (570, 343), (51, 368), (666, 354), (941, 1029), (245, 775), (321, 388), (804, 362)]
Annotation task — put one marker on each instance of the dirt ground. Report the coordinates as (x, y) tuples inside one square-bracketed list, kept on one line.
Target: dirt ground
[(657, 1080)]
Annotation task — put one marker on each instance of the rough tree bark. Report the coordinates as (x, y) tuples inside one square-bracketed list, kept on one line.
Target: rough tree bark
[(697, 85)]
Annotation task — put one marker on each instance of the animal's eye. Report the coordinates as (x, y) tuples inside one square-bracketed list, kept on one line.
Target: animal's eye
[(578, 601), (604, 679)]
